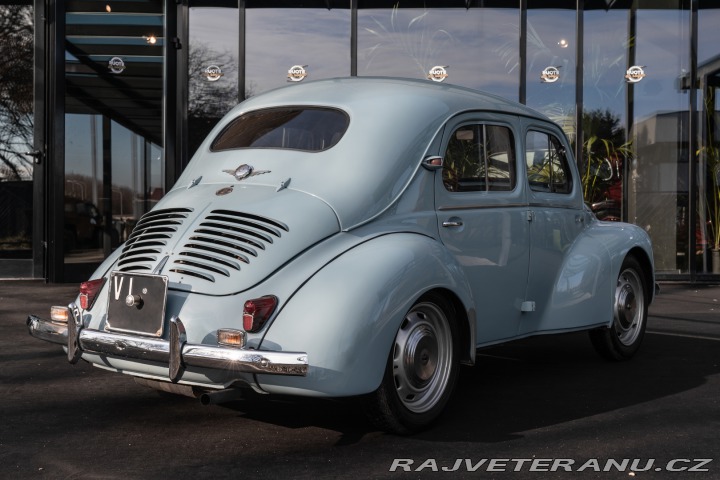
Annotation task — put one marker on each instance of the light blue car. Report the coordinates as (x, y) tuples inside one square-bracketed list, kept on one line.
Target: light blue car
[(360, 237)]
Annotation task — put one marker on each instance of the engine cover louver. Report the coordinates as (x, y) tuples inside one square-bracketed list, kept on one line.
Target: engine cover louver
[(149, 237), (219, 244), (223, 241)]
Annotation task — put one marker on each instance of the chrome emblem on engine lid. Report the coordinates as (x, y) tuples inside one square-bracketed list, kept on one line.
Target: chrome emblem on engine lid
[(245, 171)]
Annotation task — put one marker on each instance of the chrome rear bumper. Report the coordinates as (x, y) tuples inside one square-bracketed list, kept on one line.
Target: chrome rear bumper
[(176, 353)]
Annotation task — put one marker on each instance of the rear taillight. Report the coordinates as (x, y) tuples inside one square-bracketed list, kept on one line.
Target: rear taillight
[(257, 311), (89, 291)]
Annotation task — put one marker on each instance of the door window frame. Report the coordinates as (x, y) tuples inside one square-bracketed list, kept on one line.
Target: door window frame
[(482, 198), (573, 199)]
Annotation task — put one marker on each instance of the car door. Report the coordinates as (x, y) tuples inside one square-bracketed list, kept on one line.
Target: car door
[(482, 216), (557, 218)]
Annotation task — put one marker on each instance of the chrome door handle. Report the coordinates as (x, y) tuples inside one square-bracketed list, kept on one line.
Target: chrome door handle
[(452, 223)]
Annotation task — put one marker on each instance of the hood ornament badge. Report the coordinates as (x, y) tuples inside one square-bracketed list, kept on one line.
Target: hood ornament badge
[(245, 171)]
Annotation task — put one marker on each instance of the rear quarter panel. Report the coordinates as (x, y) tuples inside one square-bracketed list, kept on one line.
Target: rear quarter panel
[(346, 316)]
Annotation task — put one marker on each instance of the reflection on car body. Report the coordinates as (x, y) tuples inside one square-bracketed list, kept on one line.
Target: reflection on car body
[(397, 226)]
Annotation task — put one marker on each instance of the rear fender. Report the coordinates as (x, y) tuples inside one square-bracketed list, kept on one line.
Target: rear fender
[(346, 316), (634, 241)]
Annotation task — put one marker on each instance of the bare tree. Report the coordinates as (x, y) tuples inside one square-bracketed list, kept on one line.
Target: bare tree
[(16, 95), (208, 100)]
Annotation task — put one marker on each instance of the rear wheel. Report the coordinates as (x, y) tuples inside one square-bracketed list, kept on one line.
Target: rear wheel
[(622, 340), (421, 370)]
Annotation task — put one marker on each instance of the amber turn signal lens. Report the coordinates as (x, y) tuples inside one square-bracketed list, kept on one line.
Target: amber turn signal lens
[(231, 338), (59, 314)]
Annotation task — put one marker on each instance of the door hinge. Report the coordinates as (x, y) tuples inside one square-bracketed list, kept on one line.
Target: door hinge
[(530, 215), (176, 43)]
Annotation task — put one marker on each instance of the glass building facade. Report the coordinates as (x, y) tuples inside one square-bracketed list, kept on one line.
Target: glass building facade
[(102, 103)]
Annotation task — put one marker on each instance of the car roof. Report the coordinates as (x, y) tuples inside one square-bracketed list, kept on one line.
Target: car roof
[(393, 124), (346, 92)]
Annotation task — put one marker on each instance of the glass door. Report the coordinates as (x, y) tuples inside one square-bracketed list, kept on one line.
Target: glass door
[(707, 230), (113, 142), (213, 66), (16, 140), (708, 238)]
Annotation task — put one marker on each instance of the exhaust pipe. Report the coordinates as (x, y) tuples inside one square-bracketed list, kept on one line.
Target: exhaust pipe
[(221, 396)]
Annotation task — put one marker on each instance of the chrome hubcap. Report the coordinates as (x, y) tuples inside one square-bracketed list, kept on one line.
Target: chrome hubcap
[(422, 357), (629, 307)]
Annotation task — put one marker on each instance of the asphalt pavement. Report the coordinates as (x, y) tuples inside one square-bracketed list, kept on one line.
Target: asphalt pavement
[(546, 407)]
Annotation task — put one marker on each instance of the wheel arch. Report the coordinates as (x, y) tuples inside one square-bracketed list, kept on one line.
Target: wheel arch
[(647, 269), (465, 325), (622, 338)]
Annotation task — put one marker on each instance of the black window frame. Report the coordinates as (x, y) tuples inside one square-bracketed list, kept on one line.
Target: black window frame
[(556, 150), (485, 185)]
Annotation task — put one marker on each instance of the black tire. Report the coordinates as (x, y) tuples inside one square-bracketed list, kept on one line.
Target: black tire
[(421, 370), (630, 309)]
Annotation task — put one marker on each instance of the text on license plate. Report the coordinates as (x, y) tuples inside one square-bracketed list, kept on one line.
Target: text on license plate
[(136, 303)]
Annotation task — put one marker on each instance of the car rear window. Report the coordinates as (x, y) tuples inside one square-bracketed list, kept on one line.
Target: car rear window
[(311, 129)]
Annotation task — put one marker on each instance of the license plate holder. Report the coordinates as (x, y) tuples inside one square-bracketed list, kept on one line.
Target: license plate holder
[(136, 303)]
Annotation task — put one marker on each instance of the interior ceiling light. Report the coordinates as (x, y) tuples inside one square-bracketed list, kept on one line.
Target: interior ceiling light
[(107, 8), (151, 39), (563, 43)]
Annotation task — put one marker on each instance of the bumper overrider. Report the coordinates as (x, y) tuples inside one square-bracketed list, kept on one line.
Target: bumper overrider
[(175, 352)]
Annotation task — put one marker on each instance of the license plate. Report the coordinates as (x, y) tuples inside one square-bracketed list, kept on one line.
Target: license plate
[(136, 303)]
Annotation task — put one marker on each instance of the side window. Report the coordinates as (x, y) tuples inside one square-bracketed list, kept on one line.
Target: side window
[(480, 157), (547, 164)]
